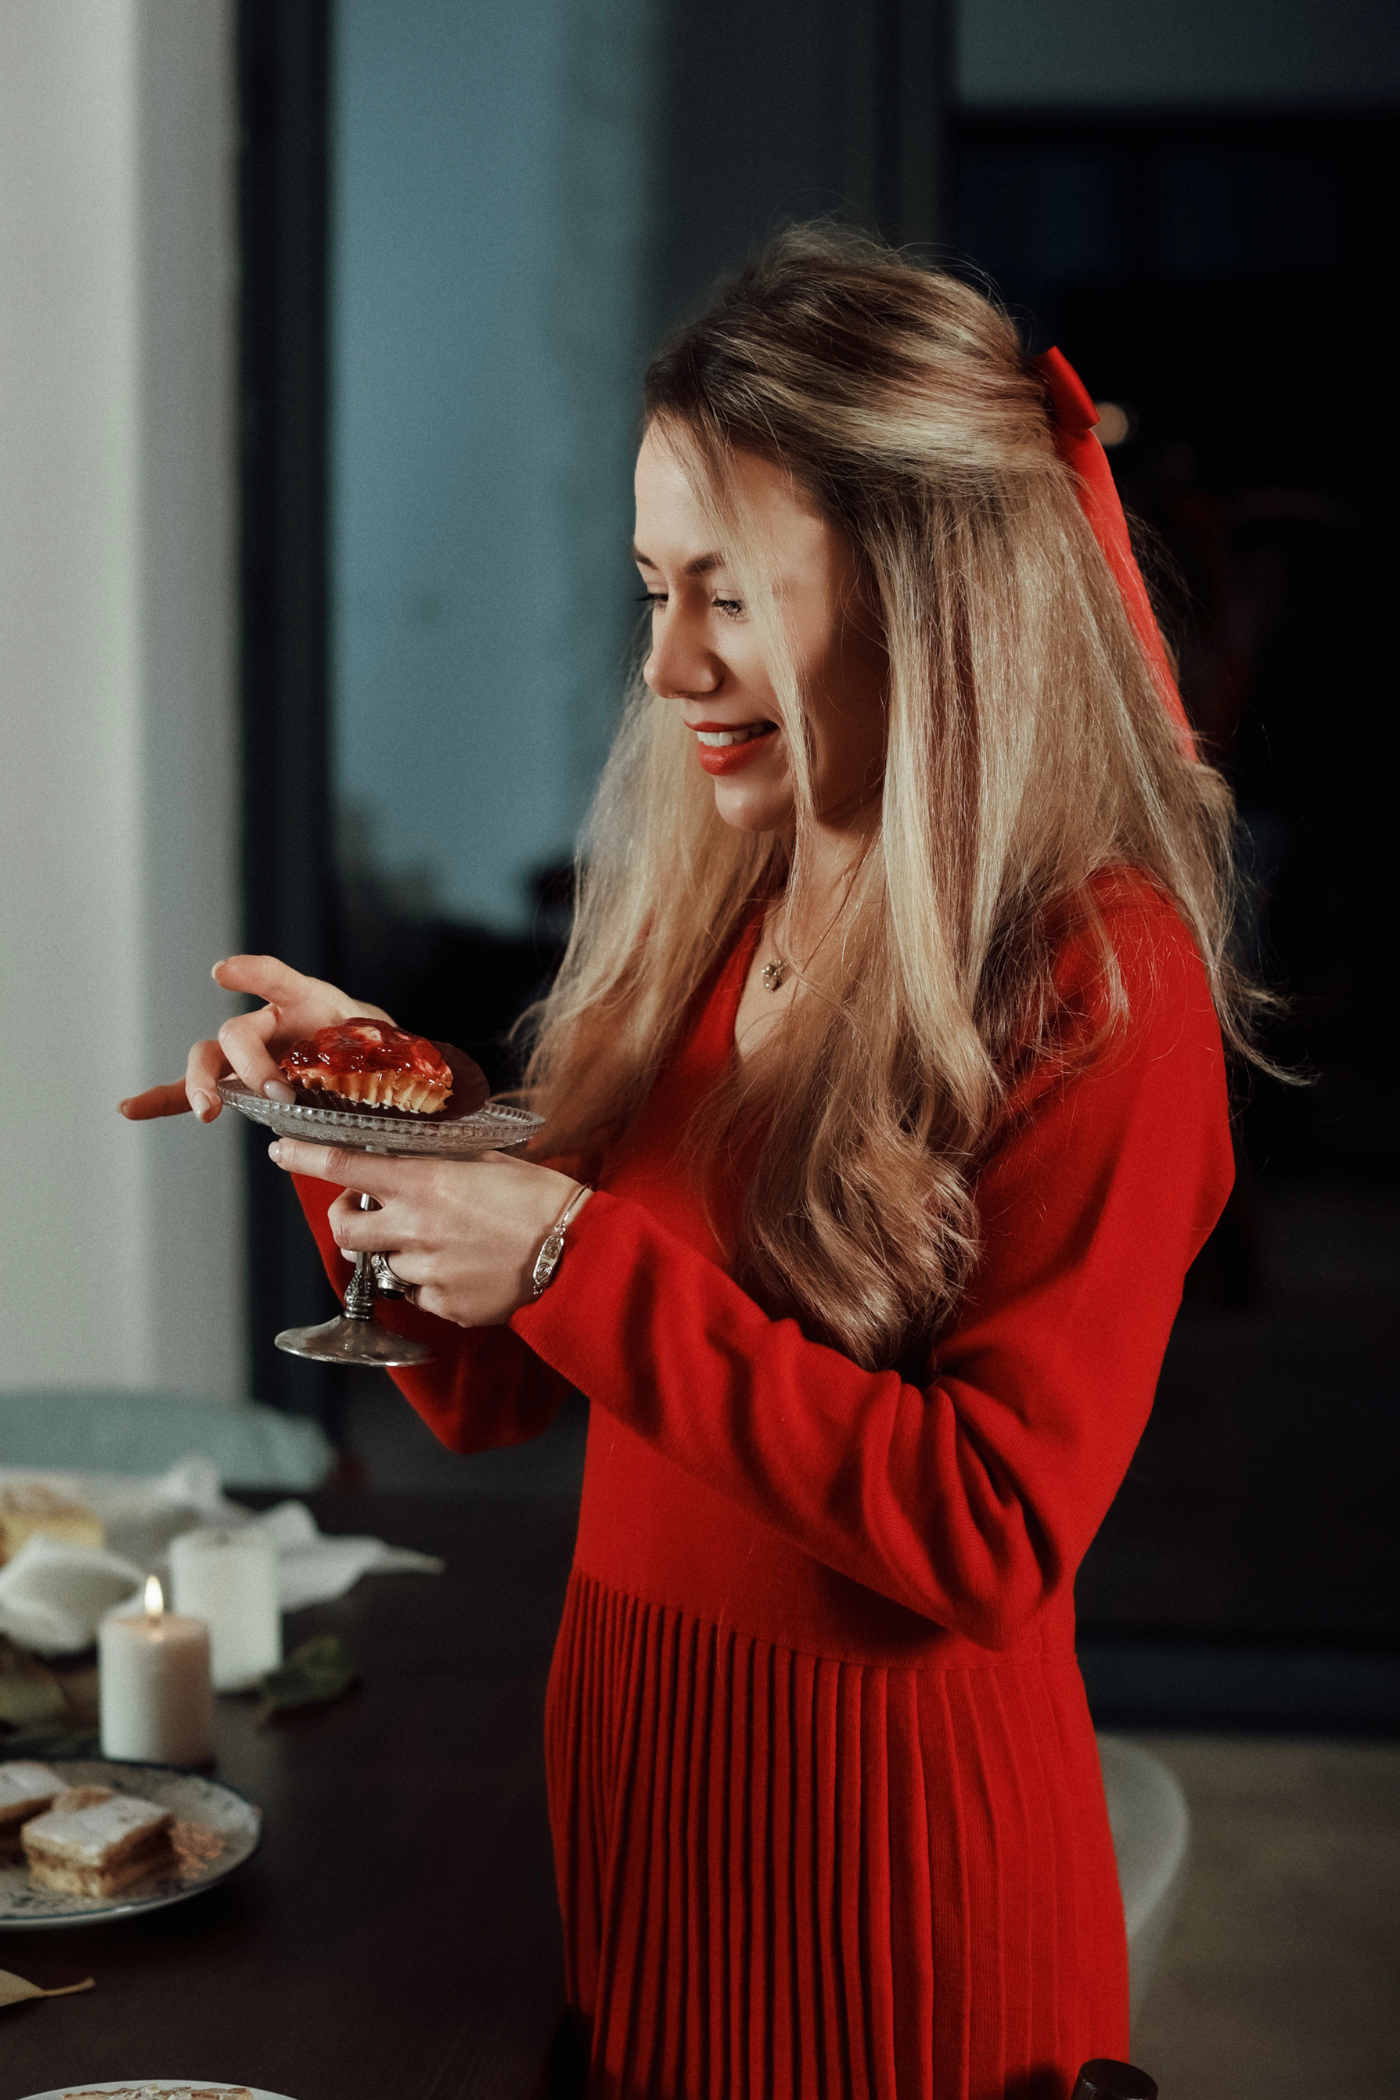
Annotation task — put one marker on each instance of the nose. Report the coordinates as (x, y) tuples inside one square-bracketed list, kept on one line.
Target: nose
[(679, 666)]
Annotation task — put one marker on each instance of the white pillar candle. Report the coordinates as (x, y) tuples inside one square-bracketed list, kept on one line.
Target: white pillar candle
[(228, 1578), (157, 1703)]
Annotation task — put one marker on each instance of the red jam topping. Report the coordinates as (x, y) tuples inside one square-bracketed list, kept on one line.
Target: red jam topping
[(368, 1046)]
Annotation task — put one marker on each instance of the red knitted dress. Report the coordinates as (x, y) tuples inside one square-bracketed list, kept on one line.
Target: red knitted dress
[(826, 1803)]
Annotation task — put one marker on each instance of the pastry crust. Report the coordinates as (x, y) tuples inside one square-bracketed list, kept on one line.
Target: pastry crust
[(94, 1841)]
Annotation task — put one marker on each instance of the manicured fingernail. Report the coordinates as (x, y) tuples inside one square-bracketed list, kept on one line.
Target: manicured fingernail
[(274, 1151), (277, 1090), (347, 1255), (203, 1105), (214, 973)]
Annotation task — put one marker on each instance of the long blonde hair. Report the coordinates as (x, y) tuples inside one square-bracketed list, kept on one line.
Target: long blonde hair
[(1027, 750)]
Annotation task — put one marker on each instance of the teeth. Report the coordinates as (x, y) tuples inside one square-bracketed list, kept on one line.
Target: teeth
[(717, 739)]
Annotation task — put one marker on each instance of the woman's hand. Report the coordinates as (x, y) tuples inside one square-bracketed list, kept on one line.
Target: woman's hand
[(464, 1233), (250, 1044)]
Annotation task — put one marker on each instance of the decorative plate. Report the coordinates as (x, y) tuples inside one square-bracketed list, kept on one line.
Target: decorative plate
[(496, 1127), (167, 2088), (215, 1831)]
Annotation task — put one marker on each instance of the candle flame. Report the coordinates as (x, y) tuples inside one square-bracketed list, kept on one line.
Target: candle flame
[(155, 1597)]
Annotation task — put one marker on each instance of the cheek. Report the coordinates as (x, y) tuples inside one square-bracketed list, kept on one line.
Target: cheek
[(848, 715), (743, 661)]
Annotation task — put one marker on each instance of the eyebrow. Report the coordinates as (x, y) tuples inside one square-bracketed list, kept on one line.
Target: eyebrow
[(703, 564)]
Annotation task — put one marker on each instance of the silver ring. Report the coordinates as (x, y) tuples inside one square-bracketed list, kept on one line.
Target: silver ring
[(392, 1285)]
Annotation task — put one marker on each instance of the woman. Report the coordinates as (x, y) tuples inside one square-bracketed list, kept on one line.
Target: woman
[(889, 1042)]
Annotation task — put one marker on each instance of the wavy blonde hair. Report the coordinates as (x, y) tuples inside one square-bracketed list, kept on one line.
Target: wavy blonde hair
[(1027, 750)]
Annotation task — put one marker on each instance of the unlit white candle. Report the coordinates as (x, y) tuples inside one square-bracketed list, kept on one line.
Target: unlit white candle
[(228, 1578), (157, 1702)]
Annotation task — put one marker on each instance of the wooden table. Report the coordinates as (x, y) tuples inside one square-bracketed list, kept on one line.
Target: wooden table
[(397, 1934)]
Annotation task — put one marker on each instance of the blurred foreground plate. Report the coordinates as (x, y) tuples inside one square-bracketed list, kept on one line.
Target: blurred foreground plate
[(215, 1831), (184, 2088)]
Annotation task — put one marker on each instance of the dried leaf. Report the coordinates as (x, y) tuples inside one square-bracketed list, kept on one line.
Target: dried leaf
[(317, 1671), (14, 1990)]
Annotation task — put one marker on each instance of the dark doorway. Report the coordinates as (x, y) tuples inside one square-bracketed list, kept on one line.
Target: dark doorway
[(1217, 278)]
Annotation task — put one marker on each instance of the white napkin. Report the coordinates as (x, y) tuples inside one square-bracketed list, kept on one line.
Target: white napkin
[(312, 1568), (53, 1597)]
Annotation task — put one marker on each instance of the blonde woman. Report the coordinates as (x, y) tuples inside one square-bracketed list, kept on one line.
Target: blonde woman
[(889, 1045)]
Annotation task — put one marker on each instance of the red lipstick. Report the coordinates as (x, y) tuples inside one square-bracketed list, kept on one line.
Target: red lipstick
[(718, 759)]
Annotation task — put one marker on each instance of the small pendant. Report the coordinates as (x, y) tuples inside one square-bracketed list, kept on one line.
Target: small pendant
[(772, 974)]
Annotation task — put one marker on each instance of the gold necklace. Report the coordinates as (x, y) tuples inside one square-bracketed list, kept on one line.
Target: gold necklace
[(773, 975)]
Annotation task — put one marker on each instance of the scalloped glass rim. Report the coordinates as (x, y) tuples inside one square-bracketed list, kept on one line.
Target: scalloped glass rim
[(498, 1127)]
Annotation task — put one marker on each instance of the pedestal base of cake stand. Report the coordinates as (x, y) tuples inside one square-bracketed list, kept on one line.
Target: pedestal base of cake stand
[(346, 1340), (356, 1336)]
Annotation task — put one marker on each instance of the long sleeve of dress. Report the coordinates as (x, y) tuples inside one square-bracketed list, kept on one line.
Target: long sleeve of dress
[(971, 1498)]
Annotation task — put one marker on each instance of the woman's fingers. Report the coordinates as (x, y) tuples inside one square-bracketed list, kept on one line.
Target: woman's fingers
[(244, 1042), (198, 1090), (296, 1004), (205, 1066), (364, 1172), (265, 977), (379, 1231), (317, 1003), (156, 1101)]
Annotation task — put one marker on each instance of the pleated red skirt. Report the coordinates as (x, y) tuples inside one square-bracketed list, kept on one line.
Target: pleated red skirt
[(784, 1875)]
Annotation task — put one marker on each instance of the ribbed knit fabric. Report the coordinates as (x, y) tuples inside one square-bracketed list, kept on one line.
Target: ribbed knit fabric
[(823, 1785), (788, 1875)]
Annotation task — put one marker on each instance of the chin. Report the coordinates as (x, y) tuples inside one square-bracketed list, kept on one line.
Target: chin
[(751, 805)]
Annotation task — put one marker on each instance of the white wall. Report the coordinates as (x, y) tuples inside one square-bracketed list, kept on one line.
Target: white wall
[(1094, 53), (120, 1244)]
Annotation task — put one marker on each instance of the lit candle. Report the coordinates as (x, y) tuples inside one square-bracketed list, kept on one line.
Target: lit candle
[(157, 1702), (228, 1578)]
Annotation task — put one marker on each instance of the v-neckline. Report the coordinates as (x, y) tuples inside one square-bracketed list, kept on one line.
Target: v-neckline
[(711, 1045), (745, 949)]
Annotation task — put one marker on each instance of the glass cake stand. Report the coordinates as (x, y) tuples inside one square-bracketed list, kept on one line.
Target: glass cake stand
[(357, 1336)]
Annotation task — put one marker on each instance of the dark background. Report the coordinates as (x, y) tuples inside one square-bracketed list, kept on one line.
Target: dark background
[(1216, 274), (1221, 274)]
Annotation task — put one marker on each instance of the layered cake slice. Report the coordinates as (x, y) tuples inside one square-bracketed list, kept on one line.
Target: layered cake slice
[(94, 1841), (26, 1790)]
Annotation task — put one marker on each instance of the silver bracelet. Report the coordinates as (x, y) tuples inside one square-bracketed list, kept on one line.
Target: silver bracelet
[(550, 1254)]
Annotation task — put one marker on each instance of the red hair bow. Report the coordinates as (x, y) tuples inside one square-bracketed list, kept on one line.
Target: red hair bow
[(1075, 417)]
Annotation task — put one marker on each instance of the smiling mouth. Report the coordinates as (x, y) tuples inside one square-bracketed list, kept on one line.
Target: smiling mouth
[(721, 739), (724, 747)]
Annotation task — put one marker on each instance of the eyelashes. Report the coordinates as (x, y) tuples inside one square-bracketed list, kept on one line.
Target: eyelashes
[(732, 608)]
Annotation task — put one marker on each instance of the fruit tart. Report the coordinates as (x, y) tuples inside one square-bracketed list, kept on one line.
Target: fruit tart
[(370, 1064)]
